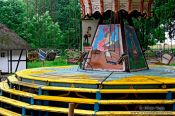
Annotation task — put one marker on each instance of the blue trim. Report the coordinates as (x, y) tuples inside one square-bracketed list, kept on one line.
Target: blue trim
[(169, 95), (46, 114), (98, 95), (31, 113), (11, 85), (173, 107), (1, 92), (96, 107), (23, 111), (31, 101), (39, 91), (19, 97)]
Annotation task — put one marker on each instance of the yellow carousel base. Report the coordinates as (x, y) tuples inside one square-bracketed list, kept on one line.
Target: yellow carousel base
[(48, 91)]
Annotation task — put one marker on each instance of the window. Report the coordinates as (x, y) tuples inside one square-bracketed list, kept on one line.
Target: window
[(2, 55)]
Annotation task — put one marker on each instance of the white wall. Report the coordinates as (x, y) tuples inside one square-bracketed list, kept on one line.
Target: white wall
[(4, 62), (15, 58)]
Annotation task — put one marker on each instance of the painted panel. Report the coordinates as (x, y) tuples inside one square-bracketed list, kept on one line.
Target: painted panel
[(92, 24), (106, 49), (4, 61), (136, 57)]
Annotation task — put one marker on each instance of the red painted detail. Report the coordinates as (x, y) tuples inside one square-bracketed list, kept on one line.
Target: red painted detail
[(149, 7), (83, 7), (72, 61), (130, 6), (141, 6), (116, 6), (101, 7), (90, 7), (87, 48)]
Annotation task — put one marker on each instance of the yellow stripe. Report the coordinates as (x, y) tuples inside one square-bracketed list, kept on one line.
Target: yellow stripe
[(76, 81), (60, 110), (141, 80), (66, 99), (6, 112), (19, 93), (70, 89), (135, 113), (136, 90), (93, 90), (26, 84), (12, 78), (84, 100), (13, 102), (42, 108), (136, 102)]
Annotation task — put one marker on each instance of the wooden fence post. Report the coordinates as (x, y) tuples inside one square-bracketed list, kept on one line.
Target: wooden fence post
[(71, 109)]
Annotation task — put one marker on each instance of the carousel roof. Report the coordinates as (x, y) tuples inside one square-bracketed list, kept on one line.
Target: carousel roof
[(90, 7)]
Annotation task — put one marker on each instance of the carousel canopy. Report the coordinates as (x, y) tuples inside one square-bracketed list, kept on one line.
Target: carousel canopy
[(89, 7)]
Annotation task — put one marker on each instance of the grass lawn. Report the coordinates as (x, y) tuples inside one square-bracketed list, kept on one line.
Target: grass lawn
[(57, 62)]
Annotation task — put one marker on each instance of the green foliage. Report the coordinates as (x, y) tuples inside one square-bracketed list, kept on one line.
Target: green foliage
[(65, 13), (11, 14), (43, 23), (41, 31), (57, 62), (56, 23), (152, 30)]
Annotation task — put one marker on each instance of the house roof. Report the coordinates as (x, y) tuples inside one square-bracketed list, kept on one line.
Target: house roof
[(89, 7), (10, 40)]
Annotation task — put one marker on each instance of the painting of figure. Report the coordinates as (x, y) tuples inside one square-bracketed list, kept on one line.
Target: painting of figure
[(106, 48)]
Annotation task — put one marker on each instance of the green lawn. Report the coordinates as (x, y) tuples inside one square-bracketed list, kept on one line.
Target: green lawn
[(57, 62)]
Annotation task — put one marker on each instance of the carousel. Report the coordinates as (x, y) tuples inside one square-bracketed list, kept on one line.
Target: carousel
[(113, 77)]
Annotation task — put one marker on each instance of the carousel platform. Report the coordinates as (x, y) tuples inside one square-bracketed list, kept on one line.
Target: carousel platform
[(49, 90)]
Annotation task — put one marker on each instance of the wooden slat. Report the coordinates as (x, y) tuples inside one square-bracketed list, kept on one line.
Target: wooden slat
[(89, 112), (60, 110), (13, 102), (110, 102), (42, 108), (135, 113), (6, 112), (136, 90), (54, 88), (18, 92), (66, 99), (12, 78), (69, 81), (4, 85), (25, 84), (85, 90)]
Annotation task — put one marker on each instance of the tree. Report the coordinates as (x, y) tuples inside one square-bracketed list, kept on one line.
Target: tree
[(12, 13), (152, 30), (66, 13), (42, 32)]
